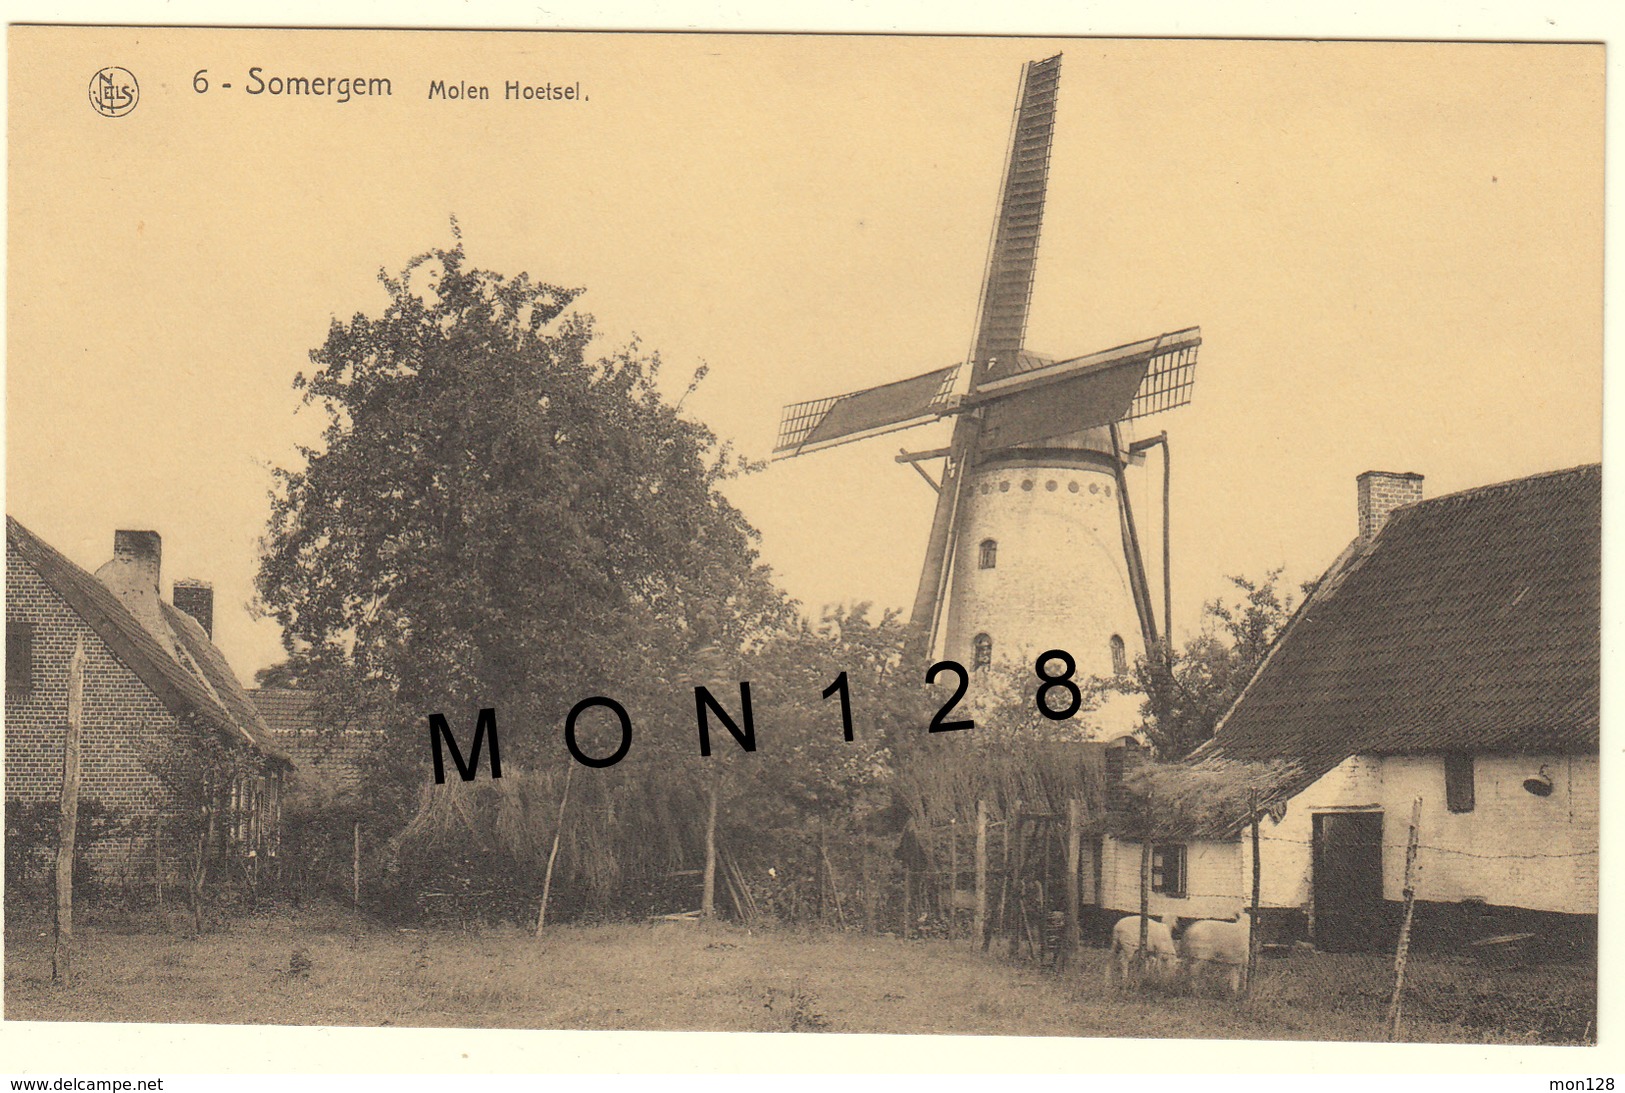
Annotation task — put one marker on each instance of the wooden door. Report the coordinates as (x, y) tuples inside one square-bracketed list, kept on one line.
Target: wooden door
[(1347, 881)]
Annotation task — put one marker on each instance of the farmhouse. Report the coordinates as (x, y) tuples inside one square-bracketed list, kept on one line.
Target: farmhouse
[(1451, 655), (157, 694), (327, 762)]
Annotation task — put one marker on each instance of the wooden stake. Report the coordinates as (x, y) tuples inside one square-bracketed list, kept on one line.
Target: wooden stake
[(1145, 894), (1074, 834), (834, 884), (953, 875), (1011, 816), (908, 916), (1403, 951), (205, 845), (355, 867), (552, 855), (1016, 879), (1252, 925), (979, 919), (158, 860), (68, 826), (708, 890)]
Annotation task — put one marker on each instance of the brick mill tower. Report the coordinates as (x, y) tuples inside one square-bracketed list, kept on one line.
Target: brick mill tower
[(1033, 545)]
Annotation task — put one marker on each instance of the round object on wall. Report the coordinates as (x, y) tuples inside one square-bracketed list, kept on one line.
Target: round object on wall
[(1540, 785)]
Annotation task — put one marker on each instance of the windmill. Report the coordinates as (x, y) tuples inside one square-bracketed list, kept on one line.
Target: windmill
[(1033, 544)]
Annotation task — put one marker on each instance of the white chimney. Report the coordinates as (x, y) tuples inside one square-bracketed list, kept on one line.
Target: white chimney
[(132, 576)]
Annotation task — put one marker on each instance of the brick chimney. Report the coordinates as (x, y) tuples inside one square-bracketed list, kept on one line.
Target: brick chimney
[(1380, 493), (132, 575), (196, 598)]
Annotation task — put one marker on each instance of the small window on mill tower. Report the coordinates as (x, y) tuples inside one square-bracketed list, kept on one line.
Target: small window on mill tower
[(982, 647), (1119, 656), (989, 557)]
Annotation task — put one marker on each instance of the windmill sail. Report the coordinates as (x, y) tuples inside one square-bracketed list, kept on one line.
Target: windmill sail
[(823, 423), (1008, 285), (1057, 397), (1001, 322)]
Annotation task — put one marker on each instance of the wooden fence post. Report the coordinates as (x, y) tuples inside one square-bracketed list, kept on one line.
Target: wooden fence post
[(834, 883), (908, 914), (1016, 874), (553, 854), (158, 860), (1403, 950), (708, 873), (355, 867), (68, 826), (979, 916), (1074, 833), (953, 874), (1145, 896), (1252, 922)]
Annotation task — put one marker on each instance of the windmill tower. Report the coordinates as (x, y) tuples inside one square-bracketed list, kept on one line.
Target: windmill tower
[(1033, 544)]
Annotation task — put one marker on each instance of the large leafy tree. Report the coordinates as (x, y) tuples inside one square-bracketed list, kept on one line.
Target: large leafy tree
[(496, 517), (1185, 700)]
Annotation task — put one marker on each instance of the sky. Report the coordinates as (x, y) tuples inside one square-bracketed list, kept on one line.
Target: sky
[(1394, 251)]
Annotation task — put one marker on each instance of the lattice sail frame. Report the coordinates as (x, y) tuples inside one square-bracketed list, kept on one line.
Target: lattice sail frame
[(823, 423), (998, 361), (1169, 380)]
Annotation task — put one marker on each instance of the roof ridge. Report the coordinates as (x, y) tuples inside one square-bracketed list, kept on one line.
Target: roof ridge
[(1410, 642), (132, 643), (1474, 492)]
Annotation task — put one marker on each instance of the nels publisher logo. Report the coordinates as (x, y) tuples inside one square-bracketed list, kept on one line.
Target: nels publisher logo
[(114, 92)]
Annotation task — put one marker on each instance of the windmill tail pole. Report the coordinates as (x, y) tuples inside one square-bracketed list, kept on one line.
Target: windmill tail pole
[(1167, 554), (1161, 440), (1131, 549), (928, 598)]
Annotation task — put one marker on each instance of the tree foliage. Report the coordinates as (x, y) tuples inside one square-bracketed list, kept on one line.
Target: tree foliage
[(1184, 703), (495, 518)]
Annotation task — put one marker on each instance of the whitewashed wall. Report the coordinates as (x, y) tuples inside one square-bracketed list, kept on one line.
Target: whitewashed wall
[(1513, 849), (1212, 879)]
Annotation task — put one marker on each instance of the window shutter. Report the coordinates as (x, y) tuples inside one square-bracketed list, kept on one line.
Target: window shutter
[(1458, 782), (19, 657)]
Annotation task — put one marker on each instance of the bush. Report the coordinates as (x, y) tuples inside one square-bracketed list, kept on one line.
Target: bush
[(31, 844)]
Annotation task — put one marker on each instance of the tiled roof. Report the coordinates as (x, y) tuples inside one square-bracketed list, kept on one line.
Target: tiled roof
[(298, 723), (1471, 622), (285, 709), (206, 687)]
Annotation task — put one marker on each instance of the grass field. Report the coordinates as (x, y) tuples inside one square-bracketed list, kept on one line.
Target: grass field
[(328, 970)]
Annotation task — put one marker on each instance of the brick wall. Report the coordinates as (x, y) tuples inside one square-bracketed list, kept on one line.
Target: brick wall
[(122, 719), (119, 710), (325, 764), (1379, 493)]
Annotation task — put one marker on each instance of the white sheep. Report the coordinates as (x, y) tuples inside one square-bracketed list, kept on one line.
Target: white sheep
[(1219, 947), (1159, 943)]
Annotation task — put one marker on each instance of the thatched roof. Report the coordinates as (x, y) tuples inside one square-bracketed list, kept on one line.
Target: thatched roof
[(1209, 799)]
